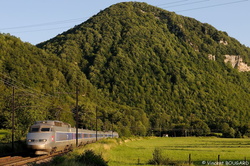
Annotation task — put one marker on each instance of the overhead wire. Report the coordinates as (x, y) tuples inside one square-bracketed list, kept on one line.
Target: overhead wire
[(80, 19), (28, 90), (49, 29), (26, 93), (178, 4), (46, 24), (36, 93), (8, 83), (169, 3), (17, 85), (25, 89), (211, 6), (190, 3)]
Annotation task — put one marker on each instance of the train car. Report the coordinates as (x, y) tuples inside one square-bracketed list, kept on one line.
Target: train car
[(50, 136)]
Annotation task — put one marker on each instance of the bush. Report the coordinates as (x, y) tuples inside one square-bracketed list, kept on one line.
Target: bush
[(6, 138), (158, 158), (92, 159), (58, 160), (6, 148)]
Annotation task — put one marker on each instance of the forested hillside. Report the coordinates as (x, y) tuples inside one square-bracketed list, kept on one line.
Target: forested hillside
[(145, 70), (39, 86), (155, 60), (38, 78)]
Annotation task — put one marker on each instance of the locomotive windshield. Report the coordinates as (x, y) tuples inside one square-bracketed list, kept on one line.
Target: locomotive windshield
[(45, 129), (35, 129)]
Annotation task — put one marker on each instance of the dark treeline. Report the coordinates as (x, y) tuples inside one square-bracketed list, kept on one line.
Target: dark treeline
[(144, 69)]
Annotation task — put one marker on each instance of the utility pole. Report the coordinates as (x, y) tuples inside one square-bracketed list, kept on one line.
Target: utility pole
[(13, 120), (77, 93), (112, 125), (96, 123)]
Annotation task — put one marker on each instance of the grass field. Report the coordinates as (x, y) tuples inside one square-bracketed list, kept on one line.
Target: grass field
[(203, 151), (3, 133)]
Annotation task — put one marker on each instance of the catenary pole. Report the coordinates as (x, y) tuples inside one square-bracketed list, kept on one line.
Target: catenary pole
[(13, 120), (77, 93), (96, 123)]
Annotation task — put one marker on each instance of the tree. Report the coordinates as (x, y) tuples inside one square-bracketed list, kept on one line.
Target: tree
[(227, 131), (200, 128)]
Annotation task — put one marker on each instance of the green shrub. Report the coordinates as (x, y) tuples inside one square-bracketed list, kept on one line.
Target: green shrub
[(58, 160), (158, 158), (92, 159)]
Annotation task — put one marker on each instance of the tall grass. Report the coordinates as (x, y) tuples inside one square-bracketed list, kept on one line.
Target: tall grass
[(100, 149), (178, 150), (140, 151), (3, 133)]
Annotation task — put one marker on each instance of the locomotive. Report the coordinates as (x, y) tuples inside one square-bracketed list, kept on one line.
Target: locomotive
[(49, 136)]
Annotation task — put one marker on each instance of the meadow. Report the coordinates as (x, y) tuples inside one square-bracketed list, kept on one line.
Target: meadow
[(203, 151), (3, 133), (138, 151)]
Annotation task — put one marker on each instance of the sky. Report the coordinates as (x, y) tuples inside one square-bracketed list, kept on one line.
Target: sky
[(35, 21)]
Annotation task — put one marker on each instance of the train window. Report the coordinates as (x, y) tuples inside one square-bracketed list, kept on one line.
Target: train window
[(34, 129), (45, 129)]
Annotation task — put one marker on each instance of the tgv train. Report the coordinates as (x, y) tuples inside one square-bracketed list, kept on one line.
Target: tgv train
[(46, 137)]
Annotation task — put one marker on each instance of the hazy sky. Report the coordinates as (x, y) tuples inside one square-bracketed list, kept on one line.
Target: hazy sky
[(36, 21)]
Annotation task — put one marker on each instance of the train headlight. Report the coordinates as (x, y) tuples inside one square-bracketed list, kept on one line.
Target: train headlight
[(42, 140), (30, 140)]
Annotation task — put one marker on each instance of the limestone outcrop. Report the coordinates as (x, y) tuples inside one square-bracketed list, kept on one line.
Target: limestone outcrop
[(237, 62)]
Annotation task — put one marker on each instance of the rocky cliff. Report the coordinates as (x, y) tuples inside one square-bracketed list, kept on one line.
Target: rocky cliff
[(237, 62)]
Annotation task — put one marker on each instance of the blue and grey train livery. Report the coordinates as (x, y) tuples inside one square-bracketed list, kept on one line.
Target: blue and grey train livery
[(49, 136)]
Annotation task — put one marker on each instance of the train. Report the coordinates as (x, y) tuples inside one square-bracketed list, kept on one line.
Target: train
[(49, 136)]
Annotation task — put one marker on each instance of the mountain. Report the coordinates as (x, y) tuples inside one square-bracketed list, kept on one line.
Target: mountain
[(148, 71), (172, 67)]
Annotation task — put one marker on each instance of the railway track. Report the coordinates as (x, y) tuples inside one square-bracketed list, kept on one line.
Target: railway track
[(23, 160)]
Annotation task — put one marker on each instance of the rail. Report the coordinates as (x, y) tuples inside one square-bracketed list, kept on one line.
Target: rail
[(23, 160)]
